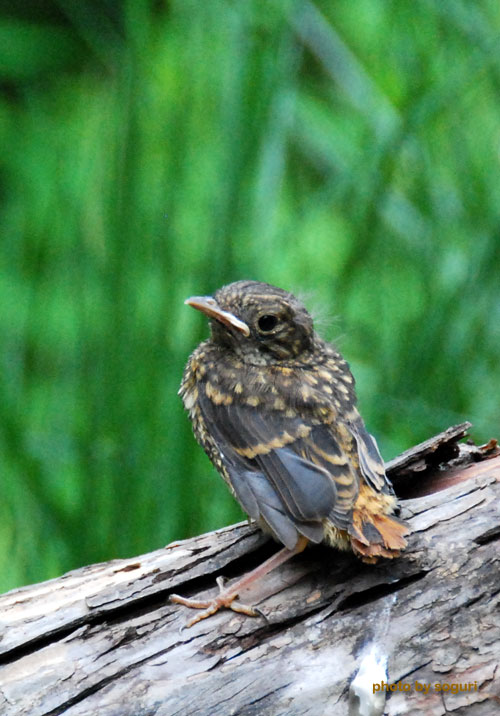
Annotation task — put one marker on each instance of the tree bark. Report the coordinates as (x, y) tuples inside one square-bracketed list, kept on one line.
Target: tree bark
[(105, 640)]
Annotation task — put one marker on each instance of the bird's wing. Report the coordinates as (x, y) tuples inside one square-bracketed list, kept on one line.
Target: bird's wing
[(288, 471), (370, 460)]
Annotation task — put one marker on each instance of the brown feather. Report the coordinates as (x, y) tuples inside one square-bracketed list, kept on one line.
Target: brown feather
[(277, 416)]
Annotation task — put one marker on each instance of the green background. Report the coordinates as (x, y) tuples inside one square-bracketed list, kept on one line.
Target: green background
[(348, 151)]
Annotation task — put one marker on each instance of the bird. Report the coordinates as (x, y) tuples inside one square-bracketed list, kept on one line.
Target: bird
[(274, 407)]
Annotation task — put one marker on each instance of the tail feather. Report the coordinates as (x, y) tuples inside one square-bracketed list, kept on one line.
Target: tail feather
[(377, 535)]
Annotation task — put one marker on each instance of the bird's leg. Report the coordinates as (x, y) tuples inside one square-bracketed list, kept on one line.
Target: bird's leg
[(227, 595)]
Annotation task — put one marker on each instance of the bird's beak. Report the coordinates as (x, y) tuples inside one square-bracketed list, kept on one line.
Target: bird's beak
[(208, 306)]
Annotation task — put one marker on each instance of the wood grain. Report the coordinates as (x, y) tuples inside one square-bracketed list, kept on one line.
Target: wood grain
[(105, 640)]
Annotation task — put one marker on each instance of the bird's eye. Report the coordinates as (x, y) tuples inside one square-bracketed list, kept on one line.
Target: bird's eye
[(267, 323)]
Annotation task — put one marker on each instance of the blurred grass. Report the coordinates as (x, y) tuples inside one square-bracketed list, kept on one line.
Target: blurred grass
[(150, 151)]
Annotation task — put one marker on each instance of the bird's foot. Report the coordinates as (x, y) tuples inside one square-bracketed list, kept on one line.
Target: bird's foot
[(226, 598)]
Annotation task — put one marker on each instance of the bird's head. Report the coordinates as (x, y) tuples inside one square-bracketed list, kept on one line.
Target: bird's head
[(259, 322)]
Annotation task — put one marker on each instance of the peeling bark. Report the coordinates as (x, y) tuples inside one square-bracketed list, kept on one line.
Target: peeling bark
[(105, 640)]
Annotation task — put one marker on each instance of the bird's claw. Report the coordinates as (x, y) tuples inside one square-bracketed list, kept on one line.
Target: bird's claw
[(221, 581), (226, 598)]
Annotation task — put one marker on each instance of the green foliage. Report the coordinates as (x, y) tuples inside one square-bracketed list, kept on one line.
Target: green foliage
[(347, 150)]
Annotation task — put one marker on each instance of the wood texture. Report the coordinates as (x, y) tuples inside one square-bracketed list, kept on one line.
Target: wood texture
[(105, 640)]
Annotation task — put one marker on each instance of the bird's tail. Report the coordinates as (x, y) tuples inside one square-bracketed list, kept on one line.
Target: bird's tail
[(374, 531)]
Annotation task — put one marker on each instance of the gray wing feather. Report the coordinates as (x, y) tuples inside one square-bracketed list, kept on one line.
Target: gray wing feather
[(291, 494)]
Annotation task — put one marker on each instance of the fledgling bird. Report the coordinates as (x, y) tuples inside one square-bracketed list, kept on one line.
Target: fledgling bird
[(274, 407)]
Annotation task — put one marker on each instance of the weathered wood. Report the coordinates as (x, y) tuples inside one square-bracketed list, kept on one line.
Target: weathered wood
[(439, 449), (105, 640), (437, 463)]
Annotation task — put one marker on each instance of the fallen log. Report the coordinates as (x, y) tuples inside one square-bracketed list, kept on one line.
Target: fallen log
[(416, 635)]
